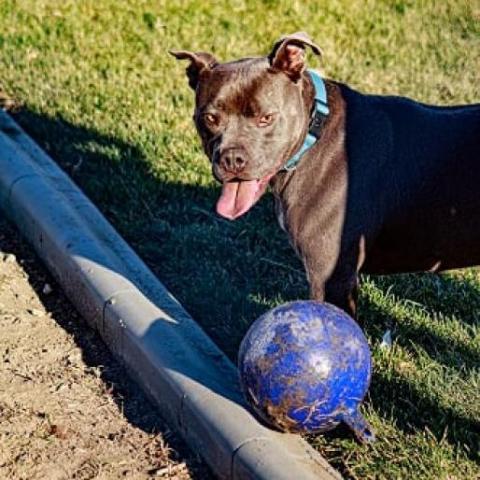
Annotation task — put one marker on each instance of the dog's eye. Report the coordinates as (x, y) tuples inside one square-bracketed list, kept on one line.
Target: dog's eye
[(266, 120), (210, 119)]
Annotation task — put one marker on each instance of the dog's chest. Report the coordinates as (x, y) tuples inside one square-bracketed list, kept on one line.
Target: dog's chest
[(281, 215)]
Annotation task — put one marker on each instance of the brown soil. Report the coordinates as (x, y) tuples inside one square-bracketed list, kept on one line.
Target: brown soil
[(67, 409)]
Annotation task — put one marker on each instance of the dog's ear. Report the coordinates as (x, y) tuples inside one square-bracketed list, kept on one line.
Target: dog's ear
[(288, 54), (199, 62)]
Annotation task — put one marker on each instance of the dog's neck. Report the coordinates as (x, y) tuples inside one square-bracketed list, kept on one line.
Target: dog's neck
[(318, 113), (283, 176)]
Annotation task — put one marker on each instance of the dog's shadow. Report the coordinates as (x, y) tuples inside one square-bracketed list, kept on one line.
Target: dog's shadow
[(227, 273)]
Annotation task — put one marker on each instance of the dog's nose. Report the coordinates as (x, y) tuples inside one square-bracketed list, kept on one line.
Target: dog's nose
[(233, 159)]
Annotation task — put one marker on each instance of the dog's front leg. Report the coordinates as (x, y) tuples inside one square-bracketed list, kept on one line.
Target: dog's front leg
[(343, 293), (339, 288)]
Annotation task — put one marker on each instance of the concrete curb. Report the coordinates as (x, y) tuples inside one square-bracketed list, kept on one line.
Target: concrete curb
[(190, 380)]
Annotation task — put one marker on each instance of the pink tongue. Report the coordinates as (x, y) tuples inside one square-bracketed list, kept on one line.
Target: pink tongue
[(237, 198)]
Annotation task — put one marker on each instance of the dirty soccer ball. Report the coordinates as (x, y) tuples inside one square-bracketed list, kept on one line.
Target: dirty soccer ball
[(305, 367)]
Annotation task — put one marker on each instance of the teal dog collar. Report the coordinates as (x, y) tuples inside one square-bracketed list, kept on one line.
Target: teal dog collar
[(319, 113)]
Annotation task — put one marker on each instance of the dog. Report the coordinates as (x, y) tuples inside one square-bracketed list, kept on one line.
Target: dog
[(388, 185)]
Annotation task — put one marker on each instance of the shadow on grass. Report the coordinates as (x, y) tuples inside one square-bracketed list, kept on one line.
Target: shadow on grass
[(414, 409), (399, 397), (451, 352), (438, 294), (225, 274)]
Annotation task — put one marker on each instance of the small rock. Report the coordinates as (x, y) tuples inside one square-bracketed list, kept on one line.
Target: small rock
[(9, 258), (35, 312), (386, 343), (58, 431), (47, 289)]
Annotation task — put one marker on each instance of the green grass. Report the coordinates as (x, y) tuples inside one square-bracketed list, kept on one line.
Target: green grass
[(99, 92)]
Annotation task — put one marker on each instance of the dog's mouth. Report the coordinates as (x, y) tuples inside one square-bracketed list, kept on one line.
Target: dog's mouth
[(239, 196)]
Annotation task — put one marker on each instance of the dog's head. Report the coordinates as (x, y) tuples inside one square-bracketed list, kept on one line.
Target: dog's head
[(252, 115)]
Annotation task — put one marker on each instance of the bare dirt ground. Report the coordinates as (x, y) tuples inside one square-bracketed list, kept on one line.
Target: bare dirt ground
[(67, 409)]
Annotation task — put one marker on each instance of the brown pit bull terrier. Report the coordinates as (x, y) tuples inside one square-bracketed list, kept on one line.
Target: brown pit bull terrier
[(389, 185)]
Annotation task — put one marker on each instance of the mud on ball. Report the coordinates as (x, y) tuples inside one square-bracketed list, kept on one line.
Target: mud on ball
[(305, 367)]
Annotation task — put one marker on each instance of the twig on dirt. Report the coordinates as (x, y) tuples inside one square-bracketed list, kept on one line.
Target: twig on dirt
[(21, 375)]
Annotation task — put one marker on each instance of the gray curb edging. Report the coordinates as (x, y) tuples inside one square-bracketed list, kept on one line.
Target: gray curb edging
[(190, 380)]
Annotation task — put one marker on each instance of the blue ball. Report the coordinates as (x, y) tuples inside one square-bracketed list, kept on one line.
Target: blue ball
[(305, 367)]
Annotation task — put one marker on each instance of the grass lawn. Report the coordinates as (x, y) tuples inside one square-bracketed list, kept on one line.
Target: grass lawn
[(99, 92)]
